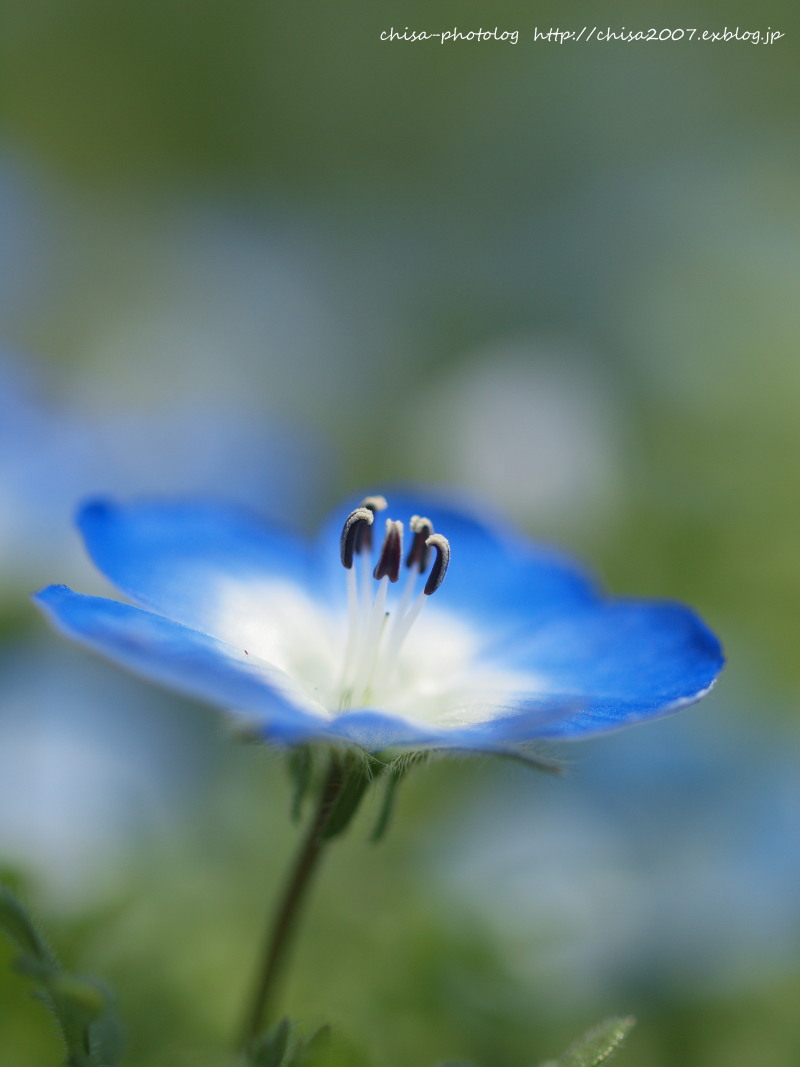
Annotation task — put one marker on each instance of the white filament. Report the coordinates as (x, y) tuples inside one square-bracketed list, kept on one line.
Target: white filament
[(375, 635)]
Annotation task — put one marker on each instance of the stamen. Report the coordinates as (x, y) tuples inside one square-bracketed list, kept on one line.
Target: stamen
[(419, 552), (388, 565), (405, 619), (352, 538), (373, 632), (375, 635), (364, 538), (416, 563), (374, 503), (440, 564), (356, 540)]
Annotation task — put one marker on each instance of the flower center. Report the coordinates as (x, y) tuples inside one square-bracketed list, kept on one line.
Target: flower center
[(376, 627)]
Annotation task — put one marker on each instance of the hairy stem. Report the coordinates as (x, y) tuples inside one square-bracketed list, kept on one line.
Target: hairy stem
[(281, 931)]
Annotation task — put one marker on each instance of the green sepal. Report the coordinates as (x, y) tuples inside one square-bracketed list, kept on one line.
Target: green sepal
[(345, 805), (357, 775), (396, 771), (387, 807), (300, 765), (517, 754), (596, 1046)]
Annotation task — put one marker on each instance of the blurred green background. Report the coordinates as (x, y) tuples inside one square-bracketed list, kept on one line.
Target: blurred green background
[(562, 279)]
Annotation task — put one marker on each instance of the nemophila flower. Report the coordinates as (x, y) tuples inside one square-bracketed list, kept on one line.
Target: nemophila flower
[(465, 637)]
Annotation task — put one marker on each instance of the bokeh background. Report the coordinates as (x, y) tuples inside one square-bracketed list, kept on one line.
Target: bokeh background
[(248, 249)]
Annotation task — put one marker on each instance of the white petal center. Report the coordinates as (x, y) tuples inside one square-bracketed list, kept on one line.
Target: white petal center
[(438, 675)]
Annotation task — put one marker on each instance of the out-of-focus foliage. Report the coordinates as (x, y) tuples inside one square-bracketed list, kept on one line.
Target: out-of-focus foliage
[(81, 1008), (595, 1047), (560, 277)]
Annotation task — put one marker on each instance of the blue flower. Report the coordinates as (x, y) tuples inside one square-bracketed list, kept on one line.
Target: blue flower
[(355, 640)]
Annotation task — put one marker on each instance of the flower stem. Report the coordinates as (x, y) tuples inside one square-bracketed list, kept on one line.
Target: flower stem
[(281, 930)]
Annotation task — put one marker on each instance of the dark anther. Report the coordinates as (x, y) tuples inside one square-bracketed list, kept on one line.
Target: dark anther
[(388, 565), (352, 534), (363, 541), (419, 552), (374, 503), (440, 564)]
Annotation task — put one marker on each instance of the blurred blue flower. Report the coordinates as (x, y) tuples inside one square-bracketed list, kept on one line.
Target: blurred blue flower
[(669, 866), (55, 450), (508, 645), (81, 790)]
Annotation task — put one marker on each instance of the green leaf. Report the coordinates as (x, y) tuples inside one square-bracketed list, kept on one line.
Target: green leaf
[(107, 1033), (596, 1046), (77, 1004), (81, 1007), (18, 925), (85, 1000)]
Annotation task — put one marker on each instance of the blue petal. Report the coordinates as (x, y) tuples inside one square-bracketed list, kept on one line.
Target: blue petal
[(185, 660), (617, 663), (377, 730), (173, 557), (499, 579), (202, 667), (605, 667)]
